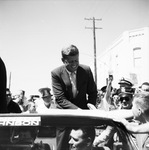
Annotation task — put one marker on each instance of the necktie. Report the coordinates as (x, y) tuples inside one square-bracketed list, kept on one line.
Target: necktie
[(73, 82)]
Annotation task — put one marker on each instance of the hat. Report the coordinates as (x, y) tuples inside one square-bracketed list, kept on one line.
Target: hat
[(125, 81), (125, 94), (45, 92), (125, 91)]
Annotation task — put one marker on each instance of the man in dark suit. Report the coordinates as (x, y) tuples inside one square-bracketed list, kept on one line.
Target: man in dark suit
[(3, 82), (72, 91)]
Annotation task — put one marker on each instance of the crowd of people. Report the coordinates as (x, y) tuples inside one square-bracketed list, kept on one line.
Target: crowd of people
[(19, 103), (74, 87)]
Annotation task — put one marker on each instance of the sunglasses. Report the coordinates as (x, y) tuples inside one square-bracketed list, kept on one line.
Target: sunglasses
[(124, 98)]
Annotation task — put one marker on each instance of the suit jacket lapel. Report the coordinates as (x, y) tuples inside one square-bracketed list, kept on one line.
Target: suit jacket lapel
[(79, 78), (66, 79)]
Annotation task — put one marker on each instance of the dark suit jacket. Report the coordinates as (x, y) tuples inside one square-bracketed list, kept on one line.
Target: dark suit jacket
[(13, 107), (3, 82), (62, 88)]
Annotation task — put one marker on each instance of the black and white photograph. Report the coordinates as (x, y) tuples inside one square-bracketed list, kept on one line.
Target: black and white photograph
[(73, 74)]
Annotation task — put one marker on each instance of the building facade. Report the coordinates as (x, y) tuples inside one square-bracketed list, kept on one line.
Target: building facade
[(127, 57)]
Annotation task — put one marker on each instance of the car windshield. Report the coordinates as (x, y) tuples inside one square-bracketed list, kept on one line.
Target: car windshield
[(38, 131)]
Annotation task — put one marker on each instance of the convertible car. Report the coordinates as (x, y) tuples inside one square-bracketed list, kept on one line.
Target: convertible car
[(38, 131)]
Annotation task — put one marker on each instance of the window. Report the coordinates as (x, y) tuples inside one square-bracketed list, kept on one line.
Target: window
[(137, 57)]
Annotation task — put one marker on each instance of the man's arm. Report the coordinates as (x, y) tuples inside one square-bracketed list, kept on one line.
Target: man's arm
[(106, 98), (135, 127), (118, 114)]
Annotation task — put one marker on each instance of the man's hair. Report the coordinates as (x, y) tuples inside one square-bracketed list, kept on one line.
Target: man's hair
[(145, 83), (141, 99), (88, 132), (70, 50)]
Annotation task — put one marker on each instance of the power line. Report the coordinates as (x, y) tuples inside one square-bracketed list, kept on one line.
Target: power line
[(94, 39)]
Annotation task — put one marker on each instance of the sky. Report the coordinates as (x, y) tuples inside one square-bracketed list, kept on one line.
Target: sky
[(33, 32)]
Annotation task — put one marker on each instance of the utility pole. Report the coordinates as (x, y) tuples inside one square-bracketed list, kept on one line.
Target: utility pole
[(94, 39)]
